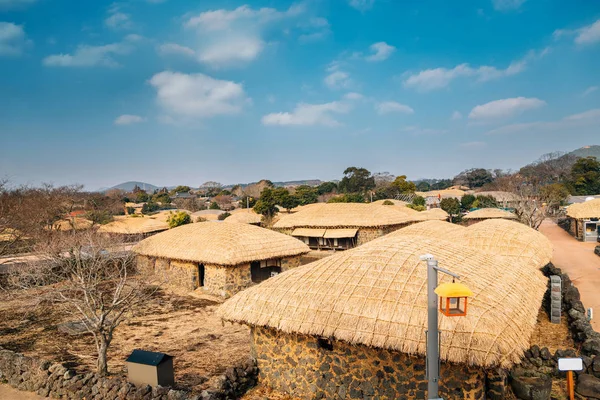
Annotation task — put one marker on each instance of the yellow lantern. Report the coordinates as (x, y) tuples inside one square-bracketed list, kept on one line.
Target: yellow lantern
[(453, 298)]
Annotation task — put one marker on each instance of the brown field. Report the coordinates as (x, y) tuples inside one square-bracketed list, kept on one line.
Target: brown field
[(184, 326)]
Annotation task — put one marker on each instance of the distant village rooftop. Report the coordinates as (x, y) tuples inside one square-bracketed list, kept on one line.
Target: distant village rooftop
[(490, 213)]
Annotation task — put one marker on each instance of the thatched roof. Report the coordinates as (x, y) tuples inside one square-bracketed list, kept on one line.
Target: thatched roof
[(69, 224), (304, 207), (375, 295), (585, 210), (221, 244), (244, 216), (209, 215), (134, 226), (490, 213), (433, 214), (432, 229), (355, 215), (396, 202), (499, 195), (164, 215)]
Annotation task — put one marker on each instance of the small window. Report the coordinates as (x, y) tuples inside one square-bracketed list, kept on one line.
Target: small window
[(325, 344)]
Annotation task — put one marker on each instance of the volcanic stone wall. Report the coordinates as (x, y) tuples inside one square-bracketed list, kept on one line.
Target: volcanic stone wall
[(310, 368), (289, 263), (226, 281)]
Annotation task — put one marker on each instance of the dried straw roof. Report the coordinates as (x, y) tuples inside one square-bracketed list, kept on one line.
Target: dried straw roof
[(433, 214), (510, 239), (134, 226), (244, 216), (69, 224), (396, 202), (356, 215), (432, 229), (165, 214), (499, 195), (585, 210), (375, 295), (221, 244), (490, 213)]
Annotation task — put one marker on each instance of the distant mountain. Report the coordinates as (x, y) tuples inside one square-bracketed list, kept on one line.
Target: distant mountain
[(587, 151), (309, 182), (128, 186)]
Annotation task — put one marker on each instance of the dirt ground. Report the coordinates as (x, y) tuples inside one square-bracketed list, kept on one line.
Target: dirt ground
[(183, 326), (578, 260)]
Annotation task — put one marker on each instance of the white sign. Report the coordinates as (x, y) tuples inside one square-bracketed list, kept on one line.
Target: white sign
[(570, 364)]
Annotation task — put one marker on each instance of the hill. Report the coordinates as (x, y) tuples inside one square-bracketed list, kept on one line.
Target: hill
[(128, 186), (587, 151)]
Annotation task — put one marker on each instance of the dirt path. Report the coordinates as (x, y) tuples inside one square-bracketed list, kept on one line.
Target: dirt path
[(578, 260), (8, 393)]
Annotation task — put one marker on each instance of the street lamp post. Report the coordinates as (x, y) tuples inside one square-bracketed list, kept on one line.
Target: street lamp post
[(433, 338)]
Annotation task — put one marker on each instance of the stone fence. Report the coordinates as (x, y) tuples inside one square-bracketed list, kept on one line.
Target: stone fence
[(532, 379), (597, 250), (57, 381)]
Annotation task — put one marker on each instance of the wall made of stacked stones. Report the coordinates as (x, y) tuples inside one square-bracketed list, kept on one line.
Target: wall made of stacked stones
[(57, 381), (298, 365), (367, 234), (183, 274), (225, 281), (290, 263)]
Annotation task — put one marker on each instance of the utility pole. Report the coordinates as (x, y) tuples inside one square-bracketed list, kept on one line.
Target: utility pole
[(433, 336)]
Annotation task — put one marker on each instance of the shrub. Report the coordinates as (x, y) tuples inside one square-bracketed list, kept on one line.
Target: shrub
[(388, 203), (416, 207), (200, 219), (214, 206), (130, 210), (178, 219), (149, 208), (221, 217), (419, 201)]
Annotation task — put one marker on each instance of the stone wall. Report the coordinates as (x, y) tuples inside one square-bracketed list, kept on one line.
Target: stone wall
[(57, 381), (299, 365), (367, 234), (184, 274), (226, 281), (290, 262), (597, 250)]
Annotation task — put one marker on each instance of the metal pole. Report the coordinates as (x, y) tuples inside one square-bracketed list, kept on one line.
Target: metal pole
[(433, 356)]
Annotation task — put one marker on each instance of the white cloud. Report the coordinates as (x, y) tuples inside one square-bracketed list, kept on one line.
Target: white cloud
[(118, 20), (90, 56), (12, 39), (308, 115), (473, 145), (381, 51), (589, 34), (168, 49), (587, 119), (505, 108), (197, 95), (506, 5), (590, 90), (15, 4), (231, 51), (437, 78), (337, 80), (353, 96), (228, 38), (316, 28), (387, 107), (456, 116), (586, 35), (361, 5), (128, 119)]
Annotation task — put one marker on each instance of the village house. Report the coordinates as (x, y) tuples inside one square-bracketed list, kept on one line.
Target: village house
[(434, 197), (244, 216), (220, 258), (481, 214), (584, 220), (352, 325), (341, 226)]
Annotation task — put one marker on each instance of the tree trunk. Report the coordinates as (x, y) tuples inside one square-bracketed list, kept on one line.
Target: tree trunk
[(101, 366)]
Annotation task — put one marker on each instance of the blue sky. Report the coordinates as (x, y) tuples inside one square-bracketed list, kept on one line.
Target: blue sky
[(181, 92)]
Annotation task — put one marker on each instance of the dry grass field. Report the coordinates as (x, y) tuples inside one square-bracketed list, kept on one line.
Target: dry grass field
[(184, 326)]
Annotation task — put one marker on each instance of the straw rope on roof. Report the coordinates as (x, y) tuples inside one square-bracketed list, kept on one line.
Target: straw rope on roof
[(586, 210), (347, 215), (490, 213), (244, 216), (134, 226), (375, 295), (509, 239), (221, 244)]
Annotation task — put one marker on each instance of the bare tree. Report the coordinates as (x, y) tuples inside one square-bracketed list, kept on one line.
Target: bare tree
[(91, 279)]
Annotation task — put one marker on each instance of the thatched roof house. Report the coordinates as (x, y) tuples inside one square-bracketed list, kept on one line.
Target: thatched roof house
[(325, 323), (208, 215), (584, 220), (72, 223), (341, 226), (134, 227), (488, 213), (244, 216), (221, 258)]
